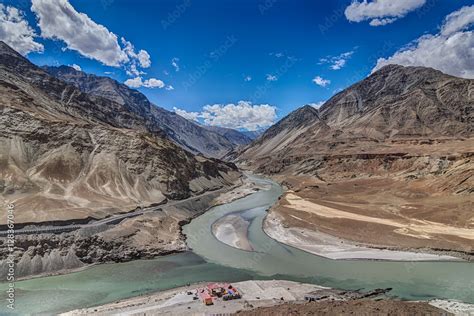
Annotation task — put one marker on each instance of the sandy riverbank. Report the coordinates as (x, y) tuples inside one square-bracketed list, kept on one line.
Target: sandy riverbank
[(246, 187), (331, 247), (233, 231), (372, 219)]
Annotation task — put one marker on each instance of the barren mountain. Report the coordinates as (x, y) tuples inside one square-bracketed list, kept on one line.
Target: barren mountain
[(66, 154), (185, 133), (234, 136), (394, 149), (390, 112)]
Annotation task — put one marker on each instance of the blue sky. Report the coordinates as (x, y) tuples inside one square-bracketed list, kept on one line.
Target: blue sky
[(280, 53)]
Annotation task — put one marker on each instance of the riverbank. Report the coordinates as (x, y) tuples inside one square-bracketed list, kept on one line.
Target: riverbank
[(152, 233), (181, 301), (367, 219), (266, 297), (331, 247), (232, 230)]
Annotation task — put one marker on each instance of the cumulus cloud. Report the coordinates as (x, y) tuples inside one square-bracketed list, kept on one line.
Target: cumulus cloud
[(136, 60), (321, 81), (77, 67), (450, 50), (459, 20), (138, 82), (144, 58), (271, 77), (337, 62), (16, 32), (174, 63), (169, 87), (58, 20), (247, 78), (380, 12), (192, 116), (317, 105), (243, 115)]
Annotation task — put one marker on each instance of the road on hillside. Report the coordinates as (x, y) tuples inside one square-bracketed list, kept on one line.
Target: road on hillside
[(114, 219)]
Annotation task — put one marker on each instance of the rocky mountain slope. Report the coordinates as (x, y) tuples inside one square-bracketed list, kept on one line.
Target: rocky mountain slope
[(397, 111), (235, 137), (388, 162), (66, 154), (185, 133)]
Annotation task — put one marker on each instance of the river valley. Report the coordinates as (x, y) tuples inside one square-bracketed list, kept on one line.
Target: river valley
[(212, 260)]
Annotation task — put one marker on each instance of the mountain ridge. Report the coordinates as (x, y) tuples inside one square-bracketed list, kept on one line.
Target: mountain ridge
[(67, 154), (187, 134), (388, 113)]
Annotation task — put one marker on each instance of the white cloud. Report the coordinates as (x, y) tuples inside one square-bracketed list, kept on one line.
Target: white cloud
[(337, 62), (244, 115), (58, 20), (77, 67), (16, 32), (138, 82), (144, 58), (169, 87), (271, 77), (134, 83), (248, 78), (277, 55), (381, 22), (174, 63), (320, 81), (154, 83), (193, 116), (459, 20), (381, 12), (450, 50), (317, 105), (136, 60)]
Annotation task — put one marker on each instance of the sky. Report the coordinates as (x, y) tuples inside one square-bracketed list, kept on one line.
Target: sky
[(241, 64)]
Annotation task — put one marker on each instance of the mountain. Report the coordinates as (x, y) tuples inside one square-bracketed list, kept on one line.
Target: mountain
[(234, 136), (67, 154), (388, 162), (185, 133), (397, 101), (395, 111), (253, 134)]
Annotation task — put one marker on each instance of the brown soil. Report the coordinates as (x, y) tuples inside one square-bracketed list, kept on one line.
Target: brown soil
[(360, 307), (382, 212)]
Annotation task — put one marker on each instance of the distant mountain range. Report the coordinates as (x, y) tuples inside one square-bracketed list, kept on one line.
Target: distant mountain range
[(88, 146), (210, 141)]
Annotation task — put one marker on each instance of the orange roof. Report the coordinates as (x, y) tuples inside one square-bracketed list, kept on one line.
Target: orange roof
[(212, 286)]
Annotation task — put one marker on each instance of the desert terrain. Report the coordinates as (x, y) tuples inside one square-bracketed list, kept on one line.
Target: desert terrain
[(398, 211)]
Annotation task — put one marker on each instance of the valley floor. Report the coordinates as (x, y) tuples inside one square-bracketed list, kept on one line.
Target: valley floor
[(144, 234), (365, 218)]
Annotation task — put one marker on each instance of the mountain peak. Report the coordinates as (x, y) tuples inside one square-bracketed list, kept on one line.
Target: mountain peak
[(303, 115)]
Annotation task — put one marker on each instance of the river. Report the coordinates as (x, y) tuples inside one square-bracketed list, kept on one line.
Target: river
[(212, 260)]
